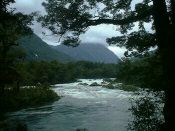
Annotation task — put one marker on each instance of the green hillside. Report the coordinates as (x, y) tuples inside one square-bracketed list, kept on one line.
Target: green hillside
[(89, 52), (37, 49)]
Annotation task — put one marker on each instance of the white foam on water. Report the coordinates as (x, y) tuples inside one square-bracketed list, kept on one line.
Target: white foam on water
[(90, 81), (90, 92), (92, 107)]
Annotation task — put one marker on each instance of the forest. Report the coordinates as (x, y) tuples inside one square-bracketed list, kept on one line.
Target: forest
[(55, 73), (69, 19)]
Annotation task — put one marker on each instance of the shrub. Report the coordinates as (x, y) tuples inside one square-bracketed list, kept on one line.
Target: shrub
[(147, 114), (26, 97)]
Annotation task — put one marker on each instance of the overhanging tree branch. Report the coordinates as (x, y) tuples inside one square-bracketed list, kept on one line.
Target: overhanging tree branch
[(129, 19)]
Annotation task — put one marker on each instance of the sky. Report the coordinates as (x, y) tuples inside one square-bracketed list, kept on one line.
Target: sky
[(95, 34)]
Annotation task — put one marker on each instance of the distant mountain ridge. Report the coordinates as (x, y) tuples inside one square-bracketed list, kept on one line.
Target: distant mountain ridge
[(89, 52), (37, 49)]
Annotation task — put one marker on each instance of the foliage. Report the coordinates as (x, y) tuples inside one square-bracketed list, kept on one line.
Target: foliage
[(36, 49), (71, 18), (26, 97), (92, 52), (54, 72), (128, 87), (45, 73), (147, 112), (122, 86), (144, 72), (85, 69), (12, 27), (137, 43)]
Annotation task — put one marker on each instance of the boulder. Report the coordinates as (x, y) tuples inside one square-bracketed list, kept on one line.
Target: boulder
[(94, 84)]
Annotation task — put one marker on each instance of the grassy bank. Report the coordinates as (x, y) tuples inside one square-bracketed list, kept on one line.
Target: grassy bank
[(26, 97)]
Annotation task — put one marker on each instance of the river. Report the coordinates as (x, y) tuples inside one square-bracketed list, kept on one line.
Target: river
[(82, 107)]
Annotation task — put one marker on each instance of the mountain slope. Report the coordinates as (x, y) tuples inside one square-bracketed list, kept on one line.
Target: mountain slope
[(37, 49), (89, 52)]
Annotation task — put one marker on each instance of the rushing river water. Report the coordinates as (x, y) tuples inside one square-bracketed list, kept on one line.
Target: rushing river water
[(81, 107)]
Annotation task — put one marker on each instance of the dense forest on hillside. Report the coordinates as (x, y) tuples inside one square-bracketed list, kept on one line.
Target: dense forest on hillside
[(125, 15), (43, 72), (36, 50), (144, 72)]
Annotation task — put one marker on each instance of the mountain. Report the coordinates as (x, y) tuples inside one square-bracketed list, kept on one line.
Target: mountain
[(37, 49), (89, 52)]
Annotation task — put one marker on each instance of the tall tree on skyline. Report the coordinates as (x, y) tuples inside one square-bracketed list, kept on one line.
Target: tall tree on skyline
[(12, 27), (70, 18)]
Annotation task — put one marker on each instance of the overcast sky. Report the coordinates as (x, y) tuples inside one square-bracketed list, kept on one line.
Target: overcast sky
[(95, 34)]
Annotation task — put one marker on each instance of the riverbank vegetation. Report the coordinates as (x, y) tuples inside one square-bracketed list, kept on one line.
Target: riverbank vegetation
[(12, 100), (35, 76), (13, 96), (131, 19), (121, 86), (54, 72), (154, 71), (144, 72), (147, 112), (139, 72)]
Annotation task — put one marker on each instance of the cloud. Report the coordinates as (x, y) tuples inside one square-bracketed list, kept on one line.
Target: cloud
[(117, 50), (95, 34), (98, 34), (28, 6)]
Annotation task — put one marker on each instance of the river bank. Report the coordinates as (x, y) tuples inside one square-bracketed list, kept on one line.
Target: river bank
[(83, 106), (26, 97)]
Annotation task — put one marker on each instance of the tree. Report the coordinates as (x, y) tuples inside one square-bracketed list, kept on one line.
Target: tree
[(145, 72), (12, 27), (70, 18), (147, 113)]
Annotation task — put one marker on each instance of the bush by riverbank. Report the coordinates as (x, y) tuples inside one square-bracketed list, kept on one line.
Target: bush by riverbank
[(121, 86), (26, 97)]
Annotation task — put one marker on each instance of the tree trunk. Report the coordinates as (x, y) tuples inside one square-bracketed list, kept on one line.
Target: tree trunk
[(165, 38), (2, 66), (172, 2), (169, 74)]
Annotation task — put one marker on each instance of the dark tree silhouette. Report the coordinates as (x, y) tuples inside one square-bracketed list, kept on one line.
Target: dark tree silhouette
[(12, 27), (70, 18)]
